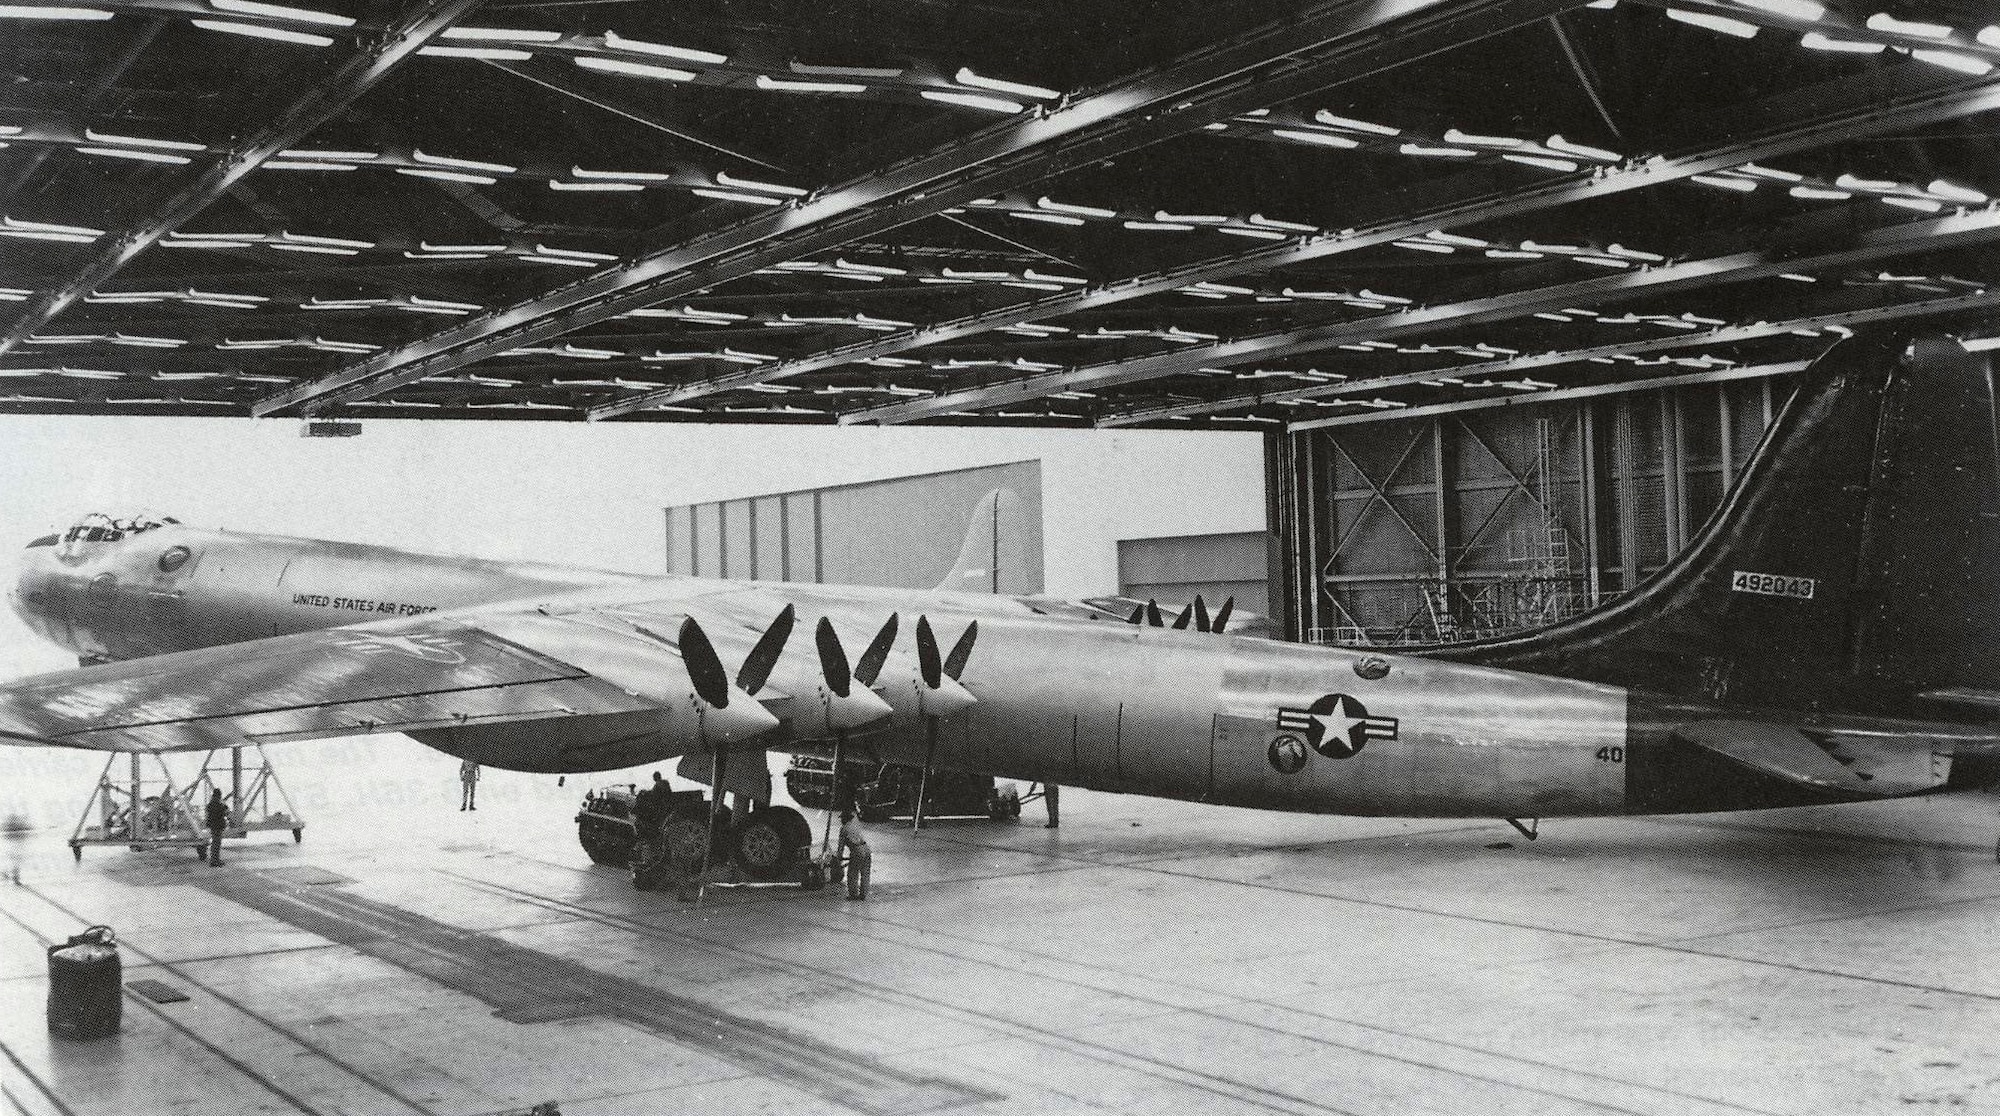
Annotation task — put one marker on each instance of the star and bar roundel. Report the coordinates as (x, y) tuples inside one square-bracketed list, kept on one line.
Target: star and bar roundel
[(1337, 726)]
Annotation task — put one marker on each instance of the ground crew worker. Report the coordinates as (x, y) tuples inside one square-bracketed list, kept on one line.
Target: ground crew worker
[(1049, 800), (218, 820), (856, 847), (649, 816), (468, 779)]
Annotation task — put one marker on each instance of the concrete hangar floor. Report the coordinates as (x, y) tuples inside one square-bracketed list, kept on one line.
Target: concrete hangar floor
[(1146, 957)]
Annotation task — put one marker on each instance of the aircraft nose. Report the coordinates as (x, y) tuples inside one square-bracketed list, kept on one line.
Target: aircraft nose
[(31, 571)]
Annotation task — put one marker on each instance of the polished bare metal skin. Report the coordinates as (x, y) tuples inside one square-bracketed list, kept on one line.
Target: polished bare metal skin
[(1762, 668), (1156, 711)]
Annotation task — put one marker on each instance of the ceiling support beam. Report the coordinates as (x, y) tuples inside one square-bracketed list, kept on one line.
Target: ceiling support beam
[(1936, 234), (1974, 302), (1872, 116), (1622, 387), (383, 52), (1336, 42)]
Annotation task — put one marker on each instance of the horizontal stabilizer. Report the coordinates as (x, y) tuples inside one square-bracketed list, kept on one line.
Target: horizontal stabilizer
[(1852, 758)]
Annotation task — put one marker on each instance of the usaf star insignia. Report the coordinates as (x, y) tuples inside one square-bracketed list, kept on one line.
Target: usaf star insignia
[(1337, 726)]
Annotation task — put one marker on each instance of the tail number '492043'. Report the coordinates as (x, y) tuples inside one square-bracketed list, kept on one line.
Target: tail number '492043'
[(1772, 585)]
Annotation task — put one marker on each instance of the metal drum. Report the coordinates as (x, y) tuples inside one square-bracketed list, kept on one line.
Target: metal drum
[(85, 985)]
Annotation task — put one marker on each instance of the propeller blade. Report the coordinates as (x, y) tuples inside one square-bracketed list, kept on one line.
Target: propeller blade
[(1222, 616), (954, 663), (1153, 614), (1181, 621), (870, 663), (1200, 614), (756, 668), (704, 667), (928, 663), (1138, 615), (832, 659)]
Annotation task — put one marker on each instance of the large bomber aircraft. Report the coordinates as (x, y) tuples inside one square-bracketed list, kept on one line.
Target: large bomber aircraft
[(1828, 637)]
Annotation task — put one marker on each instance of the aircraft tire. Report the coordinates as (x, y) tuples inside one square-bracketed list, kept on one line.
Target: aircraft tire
[(687, 838), (765, 844)]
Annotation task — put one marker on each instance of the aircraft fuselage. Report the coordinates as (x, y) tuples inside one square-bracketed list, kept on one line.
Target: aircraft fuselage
[(1176, 714)]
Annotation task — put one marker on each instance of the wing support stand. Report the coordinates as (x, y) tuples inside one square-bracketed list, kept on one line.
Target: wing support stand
[(249, 809), (1530, 831), (137, 810)]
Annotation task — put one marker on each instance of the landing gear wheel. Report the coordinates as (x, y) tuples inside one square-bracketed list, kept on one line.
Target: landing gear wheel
[(686, 837), (765, 844)]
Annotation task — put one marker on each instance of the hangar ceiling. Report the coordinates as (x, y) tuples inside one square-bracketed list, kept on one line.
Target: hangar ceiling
[(1137, 212)]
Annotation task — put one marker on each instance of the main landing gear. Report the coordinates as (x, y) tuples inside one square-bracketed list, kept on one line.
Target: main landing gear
[(749, 843)]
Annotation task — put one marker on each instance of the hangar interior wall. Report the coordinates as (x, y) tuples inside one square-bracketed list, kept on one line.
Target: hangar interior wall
[(903, 532), (1175, 569), (1483, 522)]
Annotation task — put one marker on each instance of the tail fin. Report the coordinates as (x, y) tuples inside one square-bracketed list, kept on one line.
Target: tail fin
[(1854, 567), (994, 547)]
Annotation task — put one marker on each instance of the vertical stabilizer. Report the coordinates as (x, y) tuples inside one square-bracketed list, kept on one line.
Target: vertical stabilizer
[(994, 547), (1854, 566)]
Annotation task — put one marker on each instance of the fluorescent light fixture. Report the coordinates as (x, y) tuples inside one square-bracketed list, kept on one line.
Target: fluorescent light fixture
[(43, 226), (615, 41), (1427, 151), (1603, 261), (341, 303), (594, 187), (1808, 11), (1813, 40), (259, 31), (328, 241), (1019, 89), (1046, 218), (1884, 22), (783, 85), (1323, 139), (1545, 162), (736, 196), (574, 254), (1924, 205), (1721, 24), (1740, 185), (1054, 206), (973, 100), (443, 304), (1443, 237), (462, 164), (1348, 123), (1044, 277), (725, 179), (136, 155), (1454, 136), (1989, 36), (1797, 278), (335, 156), (312, 249), (60, 238), (500, 34), (447, 176), (1583, 151), (1819, 193), (304, 165), (484, 54), (875, 269), (635, 69), (37, 11), (95, 136), (1939, 188), (619, 176), (409, 255), (1952, 60), (1264, 222), (1623, 252), (488, 249), (1159, 226), (886, 73), (1426, 246), (281, 11), (1876, 185)]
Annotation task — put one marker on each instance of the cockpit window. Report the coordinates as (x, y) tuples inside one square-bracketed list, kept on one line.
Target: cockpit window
[(45, 540)]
